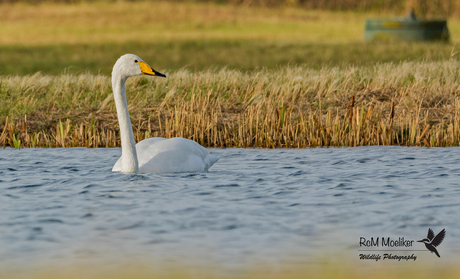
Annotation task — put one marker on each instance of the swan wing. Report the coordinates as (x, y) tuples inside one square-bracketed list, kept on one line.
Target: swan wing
[(160, 155)]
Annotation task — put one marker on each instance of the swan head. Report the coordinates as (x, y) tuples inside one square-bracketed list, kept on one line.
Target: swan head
[(130, 65)]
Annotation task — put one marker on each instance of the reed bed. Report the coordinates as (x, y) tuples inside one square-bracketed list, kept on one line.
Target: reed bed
[(407, 104)]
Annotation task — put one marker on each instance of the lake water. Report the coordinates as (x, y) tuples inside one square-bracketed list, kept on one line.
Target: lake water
[(252, 205)]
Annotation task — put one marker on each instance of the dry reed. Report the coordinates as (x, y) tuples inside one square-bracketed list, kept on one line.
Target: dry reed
[(409, 104)]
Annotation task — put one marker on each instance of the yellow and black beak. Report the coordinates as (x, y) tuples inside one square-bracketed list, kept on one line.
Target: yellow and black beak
[(147, 70)]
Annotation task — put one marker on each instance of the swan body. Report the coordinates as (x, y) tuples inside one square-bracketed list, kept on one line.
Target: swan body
[(160, 155), (153, 155)]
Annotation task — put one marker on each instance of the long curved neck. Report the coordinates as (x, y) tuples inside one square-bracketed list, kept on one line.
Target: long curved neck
[(129, 163)]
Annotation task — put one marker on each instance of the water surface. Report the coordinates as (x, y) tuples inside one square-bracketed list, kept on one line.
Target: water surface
[(253, 204)]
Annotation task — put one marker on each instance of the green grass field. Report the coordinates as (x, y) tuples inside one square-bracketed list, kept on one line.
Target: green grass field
[(160, 21), (80, 38), (244, 55)]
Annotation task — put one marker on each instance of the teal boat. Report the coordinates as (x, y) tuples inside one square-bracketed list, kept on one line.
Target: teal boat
[(407, 29)]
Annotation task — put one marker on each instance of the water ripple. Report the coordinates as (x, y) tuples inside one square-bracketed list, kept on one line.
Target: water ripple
[(251, 203)]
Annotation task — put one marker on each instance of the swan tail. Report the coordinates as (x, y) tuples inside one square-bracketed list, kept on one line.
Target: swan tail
[(210, 160)]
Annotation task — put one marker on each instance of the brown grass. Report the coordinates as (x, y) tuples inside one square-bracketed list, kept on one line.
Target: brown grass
[(410, 104)]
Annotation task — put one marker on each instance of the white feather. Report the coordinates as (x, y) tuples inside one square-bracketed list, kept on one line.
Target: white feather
[(160, 155)]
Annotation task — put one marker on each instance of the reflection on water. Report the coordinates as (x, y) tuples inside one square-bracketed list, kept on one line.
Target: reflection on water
[(252, 204)]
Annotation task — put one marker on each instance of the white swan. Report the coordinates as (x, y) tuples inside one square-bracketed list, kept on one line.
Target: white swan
[(153, 155)]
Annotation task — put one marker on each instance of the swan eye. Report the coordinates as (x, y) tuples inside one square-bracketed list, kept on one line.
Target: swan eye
[(135, 61)]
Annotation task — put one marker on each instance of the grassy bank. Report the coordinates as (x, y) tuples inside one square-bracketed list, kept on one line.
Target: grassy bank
[(409, 103)]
